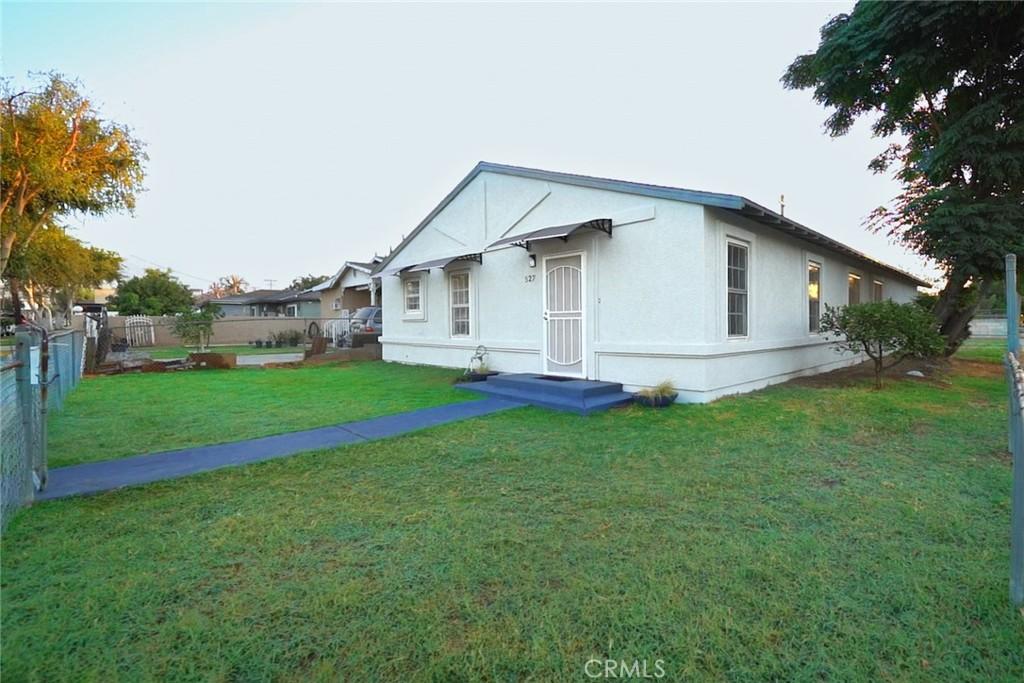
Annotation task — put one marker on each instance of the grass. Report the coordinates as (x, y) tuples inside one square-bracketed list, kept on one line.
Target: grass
[(987, 350), (170, 352), (121, 415), (799, 533)]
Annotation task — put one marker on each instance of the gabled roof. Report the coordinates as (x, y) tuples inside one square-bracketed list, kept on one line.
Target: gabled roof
[(729, 202), (361, 266), (267, 296)]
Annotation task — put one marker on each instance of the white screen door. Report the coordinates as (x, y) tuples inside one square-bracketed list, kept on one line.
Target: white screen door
[(563, 315)]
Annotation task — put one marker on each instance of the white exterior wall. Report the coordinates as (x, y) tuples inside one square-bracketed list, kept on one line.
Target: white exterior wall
[(655, 291)]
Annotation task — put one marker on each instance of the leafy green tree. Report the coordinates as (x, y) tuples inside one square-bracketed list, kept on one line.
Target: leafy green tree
[(946, 82), (59, 158), (195, 326), (56, 266), (157, 292), (307, 281), (887, 332)]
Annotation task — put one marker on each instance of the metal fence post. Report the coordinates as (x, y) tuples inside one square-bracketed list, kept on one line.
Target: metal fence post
[(27, 403), (1016, 435)]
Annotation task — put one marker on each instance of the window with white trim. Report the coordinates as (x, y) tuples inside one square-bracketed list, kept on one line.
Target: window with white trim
[(877, 290), (813, 297), (291, 310), (412, 288), (853, 285), (458, 294), (736, 288)]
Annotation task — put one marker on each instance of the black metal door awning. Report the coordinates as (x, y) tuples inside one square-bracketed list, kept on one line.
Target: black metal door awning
[(435, 263), (443, 262), (563, 232)]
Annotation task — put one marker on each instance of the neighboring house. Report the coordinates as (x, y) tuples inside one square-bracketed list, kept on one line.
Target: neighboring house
[(271, 303), (348, 289), (578, 276)]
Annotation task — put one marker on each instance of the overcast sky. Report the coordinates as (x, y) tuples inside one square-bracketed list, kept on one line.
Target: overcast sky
[(285, 139)]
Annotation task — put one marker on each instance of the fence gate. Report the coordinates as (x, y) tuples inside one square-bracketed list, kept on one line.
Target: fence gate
[(139, 331), (34, 381)]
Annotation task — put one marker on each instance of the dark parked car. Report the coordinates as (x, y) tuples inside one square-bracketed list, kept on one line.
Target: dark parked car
[(367, 320)]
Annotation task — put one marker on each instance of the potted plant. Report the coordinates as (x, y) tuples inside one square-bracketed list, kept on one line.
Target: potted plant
[(293, 337), (658, 396), (259, 343), (480, 373), (275, 340)]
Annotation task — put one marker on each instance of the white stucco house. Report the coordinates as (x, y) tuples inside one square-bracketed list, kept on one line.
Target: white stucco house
[(585, 277)]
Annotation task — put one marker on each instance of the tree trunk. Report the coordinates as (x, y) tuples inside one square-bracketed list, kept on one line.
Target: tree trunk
[(955, 308), (15, 286)]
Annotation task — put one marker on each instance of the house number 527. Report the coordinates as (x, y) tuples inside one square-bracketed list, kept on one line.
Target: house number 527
[(529, 278)]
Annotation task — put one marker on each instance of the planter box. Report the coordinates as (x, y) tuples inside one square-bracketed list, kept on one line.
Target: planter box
[(215, 361)]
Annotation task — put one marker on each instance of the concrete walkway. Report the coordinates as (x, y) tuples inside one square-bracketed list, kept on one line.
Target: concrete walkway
[(95, 477)]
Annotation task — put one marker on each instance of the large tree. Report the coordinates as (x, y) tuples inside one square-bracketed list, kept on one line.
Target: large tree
[(60, 158), (56, 267), (945, 82), (157, 292)]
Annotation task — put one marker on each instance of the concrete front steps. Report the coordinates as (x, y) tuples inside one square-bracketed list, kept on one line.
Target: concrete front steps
[(579, 396)]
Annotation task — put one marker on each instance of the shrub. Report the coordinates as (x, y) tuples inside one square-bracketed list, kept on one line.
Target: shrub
[(195, 327), (886, 331)]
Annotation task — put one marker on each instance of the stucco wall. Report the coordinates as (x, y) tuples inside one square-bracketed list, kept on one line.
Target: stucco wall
[(236, 330), (655, 291)]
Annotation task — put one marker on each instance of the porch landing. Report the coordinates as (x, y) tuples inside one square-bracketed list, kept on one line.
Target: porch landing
[(579, 396)]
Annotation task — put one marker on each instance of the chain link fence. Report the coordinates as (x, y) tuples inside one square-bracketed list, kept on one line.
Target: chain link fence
[(36, 377)]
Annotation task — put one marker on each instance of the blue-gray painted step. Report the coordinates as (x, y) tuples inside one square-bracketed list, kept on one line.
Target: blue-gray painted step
[(577, 396), (95, 477)]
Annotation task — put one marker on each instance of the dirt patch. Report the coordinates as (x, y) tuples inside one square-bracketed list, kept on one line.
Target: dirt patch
[(935, 371)]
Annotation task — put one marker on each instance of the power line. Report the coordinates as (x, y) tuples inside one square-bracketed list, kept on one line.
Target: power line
[(204, 280)]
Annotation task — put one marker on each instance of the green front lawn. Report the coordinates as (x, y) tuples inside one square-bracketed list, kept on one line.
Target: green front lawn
[(171, 352), (798, 533), (989, 350), (120, 415)]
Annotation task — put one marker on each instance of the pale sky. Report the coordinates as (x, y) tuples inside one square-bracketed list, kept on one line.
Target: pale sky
[(286, 139)]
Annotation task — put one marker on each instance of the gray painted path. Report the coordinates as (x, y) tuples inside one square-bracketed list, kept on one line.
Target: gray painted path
[(95, 477)]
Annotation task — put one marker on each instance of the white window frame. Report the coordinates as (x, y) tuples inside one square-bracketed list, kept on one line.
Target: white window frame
[(336, 304), (881, 293), (291, 311), (860, 287), (416, 314), (747, 247), (811, 261), (468, 305)]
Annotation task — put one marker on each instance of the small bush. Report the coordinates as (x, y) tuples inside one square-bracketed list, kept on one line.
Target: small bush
[(660, 390), (886, 331)]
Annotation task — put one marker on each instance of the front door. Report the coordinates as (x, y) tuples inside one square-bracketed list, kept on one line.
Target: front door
[(563, 315)]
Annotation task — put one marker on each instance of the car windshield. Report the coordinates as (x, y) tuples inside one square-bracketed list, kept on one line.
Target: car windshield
[(364, 312)]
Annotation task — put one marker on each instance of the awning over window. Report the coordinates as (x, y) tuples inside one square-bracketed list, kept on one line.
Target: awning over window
[(442, 262), (563, 232), (436, 263)]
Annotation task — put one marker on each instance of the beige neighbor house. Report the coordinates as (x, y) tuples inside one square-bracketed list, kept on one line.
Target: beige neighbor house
[(348, 289)]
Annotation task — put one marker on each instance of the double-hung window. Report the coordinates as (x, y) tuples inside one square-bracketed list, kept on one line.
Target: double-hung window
[(413, 300), (877, 290), (458, 294), (737, 280), (853, 284), (814, 297)]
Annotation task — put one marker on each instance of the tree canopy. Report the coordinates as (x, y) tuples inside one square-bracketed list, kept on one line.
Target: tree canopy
[(157, 292), (60, 157), (57, 266), (945, 81), (307, 281)]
